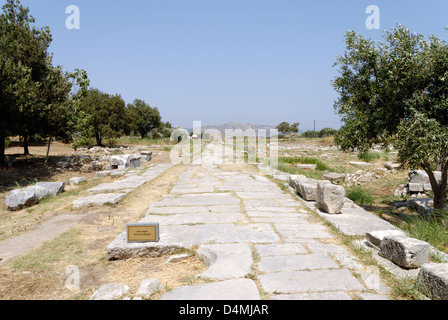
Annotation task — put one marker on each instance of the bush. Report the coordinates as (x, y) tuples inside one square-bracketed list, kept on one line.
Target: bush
[(369, 156), (360, 196)]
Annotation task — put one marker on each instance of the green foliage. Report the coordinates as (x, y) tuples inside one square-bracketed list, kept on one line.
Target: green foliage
[(35, 96), (286, 128), (433, 230), (360, 196), (325, 132), (395, 92), (108, 116), (369, 156), (144, 118)]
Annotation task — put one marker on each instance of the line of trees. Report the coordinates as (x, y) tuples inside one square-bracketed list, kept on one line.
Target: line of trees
[(38, 98)]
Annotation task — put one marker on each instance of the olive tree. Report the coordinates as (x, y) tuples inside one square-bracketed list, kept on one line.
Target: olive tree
[(395, 92)]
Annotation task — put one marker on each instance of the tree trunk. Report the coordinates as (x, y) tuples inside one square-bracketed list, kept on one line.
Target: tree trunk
[(26, 152), (48, 149), (438, 188), (2, 147), (98, 138)]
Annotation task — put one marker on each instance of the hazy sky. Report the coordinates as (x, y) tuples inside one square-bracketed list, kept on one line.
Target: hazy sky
[(217, 61)]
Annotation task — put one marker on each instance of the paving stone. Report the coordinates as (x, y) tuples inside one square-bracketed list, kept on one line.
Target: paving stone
[(325, 247), (177, 210), (263, 195), (314, 280), (184, 236), (226, 261), (98, 200), (256, 204), (198, 200), (356, 221), (184, 190), (333, 295), (190, 218), (279, 249), (235, 289), (296, 262), (225, 208)]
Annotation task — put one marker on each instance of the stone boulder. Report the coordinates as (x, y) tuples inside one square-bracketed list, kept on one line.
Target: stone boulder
[(330, 197), (389, 165), (52, 188), (148, 287), (18, 199), (111, 291), (334, 177), (434, 278), (360, 164), (125, 161), (307, 188), (76, 180), (405, 252)]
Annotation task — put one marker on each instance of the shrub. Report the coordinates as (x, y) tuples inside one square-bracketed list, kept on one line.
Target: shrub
[(360, 196)]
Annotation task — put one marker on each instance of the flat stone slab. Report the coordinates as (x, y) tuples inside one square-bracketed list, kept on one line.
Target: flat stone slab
[(226, 261), (333, 295), (306, 281), (235, 289), (100, 199), (184, 236), (76, 180), (47, 230), (279, 249), (297, 262), (177, 210), (263, 195), (203, 218), (197, 200), (356, 221), (116, 186)]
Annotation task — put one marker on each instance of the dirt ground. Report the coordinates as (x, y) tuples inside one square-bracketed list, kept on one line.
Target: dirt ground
[(41, 274)]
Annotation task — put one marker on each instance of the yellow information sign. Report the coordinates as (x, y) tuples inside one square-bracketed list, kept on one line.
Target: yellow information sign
[(143, 232)]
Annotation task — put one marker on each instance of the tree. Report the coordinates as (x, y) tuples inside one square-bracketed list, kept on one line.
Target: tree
[(285, 128), (23, 62), (108, 116), (144, 118), (396, 92)]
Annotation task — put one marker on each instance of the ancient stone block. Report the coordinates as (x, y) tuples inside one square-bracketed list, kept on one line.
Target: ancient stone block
[(330, 197), (404, 251)]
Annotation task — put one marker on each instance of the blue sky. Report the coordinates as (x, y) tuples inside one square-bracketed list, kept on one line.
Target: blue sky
[(217, 61)]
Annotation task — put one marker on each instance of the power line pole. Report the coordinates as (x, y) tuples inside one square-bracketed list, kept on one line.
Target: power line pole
[(314, 125)]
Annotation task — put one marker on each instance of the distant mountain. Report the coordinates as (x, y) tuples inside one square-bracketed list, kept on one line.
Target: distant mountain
[(235, 126)]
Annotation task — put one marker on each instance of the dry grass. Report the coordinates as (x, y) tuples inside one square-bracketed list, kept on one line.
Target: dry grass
[(40, 274)]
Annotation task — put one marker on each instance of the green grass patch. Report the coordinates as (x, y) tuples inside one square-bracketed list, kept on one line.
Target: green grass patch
[(305, 160), (370, 156), (360, 196), (67, 247), (433, 230)]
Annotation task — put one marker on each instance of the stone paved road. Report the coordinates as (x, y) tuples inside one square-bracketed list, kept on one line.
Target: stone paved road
[(259, 241)]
